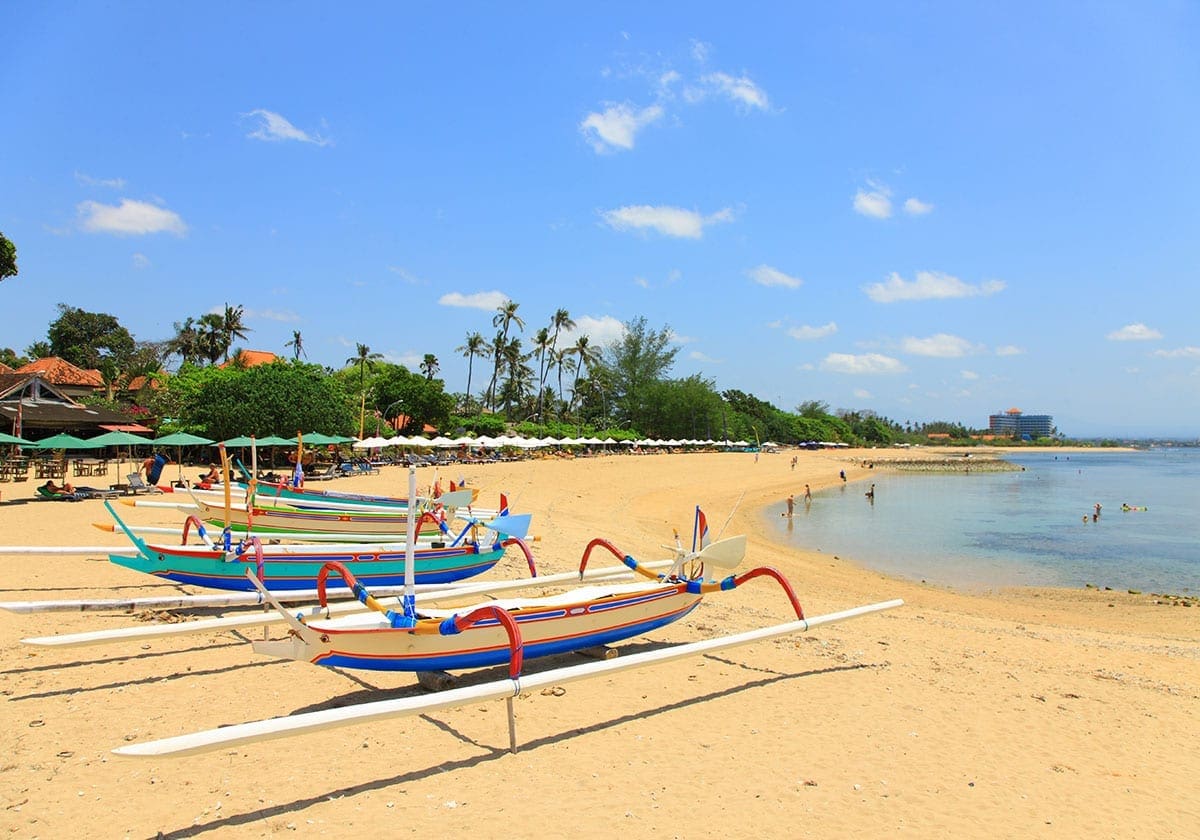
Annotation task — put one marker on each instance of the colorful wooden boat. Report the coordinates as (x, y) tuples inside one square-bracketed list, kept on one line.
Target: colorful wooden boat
[(512, 630), (297, 567), (271, 519)]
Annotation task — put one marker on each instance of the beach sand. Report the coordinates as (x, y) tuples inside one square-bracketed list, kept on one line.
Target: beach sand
[(1027, 713)]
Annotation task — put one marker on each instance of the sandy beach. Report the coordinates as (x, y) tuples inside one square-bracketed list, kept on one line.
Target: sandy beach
[(1016, 713)]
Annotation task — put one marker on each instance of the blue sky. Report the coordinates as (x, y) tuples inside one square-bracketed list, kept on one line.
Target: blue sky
[(933, 210)]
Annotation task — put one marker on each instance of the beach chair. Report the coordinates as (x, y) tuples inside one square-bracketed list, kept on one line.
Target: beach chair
[(137, 486), (96, 493), (328, 474), (44, 493)]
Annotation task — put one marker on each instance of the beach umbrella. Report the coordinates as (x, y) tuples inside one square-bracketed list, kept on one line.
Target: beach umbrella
[(276, 440), (7, 438), (238, 442), (318, 439), (65, 441), (119, 439), (180, 440)]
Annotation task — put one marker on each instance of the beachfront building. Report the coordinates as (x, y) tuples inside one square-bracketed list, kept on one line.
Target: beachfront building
[(1015, 423)]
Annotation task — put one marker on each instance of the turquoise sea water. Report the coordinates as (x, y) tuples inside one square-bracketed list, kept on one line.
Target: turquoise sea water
[(984, 530)]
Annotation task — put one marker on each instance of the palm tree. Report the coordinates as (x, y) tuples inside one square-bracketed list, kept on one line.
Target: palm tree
[(519, 375), (506, 315), (186, 342), (496, 351), (429, 366), (564, 362), (297, 345), (587, 356), (364, 358), (233, 326), (475, 346), (541, 346), (211, 341)]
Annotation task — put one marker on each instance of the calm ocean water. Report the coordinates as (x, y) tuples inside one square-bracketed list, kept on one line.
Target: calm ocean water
[(983, 530)]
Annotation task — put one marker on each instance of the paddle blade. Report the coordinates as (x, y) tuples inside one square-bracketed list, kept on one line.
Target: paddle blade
[(726, 553), (510, 526)]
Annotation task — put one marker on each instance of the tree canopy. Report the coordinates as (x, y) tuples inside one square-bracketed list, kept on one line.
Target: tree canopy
[(8, 258)]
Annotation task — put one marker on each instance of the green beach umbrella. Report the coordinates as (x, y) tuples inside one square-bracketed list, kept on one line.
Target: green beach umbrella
[(65, 441), (118, 439), (276, 440), (181, 439), (318, 439), (238, 442), (7, 438)]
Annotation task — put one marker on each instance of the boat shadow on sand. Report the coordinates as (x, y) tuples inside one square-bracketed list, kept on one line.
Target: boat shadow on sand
[(492, 752)]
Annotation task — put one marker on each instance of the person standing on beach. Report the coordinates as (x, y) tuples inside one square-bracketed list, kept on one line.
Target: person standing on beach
[(842, 474), (791, 506), (807, 495), (870, 494), (794, 463)]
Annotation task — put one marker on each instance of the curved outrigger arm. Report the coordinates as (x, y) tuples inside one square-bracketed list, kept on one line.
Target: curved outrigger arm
[(726, 553)]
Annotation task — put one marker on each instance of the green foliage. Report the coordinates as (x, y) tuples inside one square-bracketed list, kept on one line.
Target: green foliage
[(280, 398), (638, 360), (491, 425), (86, 339), (681, 408), (398, 391), (9, 357), (8, 258)]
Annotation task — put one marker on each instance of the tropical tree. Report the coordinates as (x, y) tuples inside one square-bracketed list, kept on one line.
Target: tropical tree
[(364, 358), (541, 349), (421, 400), (429, 365), (564, 363), (475, 345), (85, 339), (586, 356), (233, 326), (8, 258), (641, 356), (506, 315), (297, 345), (211, 338), (186, 342)]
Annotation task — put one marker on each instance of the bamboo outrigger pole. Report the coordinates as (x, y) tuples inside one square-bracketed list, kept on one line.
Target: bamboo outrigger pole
[(282, 727)]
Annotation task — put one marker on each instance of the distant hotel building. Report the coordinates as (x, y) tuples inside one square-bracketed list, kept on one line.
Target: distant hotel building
[(1013, 423)]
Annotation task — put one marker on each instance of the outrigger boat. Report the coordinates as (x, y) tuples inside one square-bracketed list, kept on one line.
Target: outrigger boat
[(272, 519), (297, 567), (512, 630)]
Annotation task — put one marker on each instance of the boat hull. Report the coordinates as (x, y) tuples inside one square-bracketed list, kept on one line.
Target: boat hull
[(284, 572), (272, 520), (554, 628)]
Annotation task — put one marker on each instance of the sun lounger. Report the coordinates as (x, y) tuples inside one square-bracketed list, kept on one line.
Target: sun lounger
[(138, 486)]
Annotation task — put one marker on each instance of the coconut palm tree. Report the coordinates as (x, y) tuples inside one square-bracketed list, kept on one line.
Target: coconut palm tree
[(233, 326), (564, 362), (211, 340), (429, 366), (541, 348), (297, 345), (506, 315), (364, 358), (475, 346), (186, 342), (586, 357)]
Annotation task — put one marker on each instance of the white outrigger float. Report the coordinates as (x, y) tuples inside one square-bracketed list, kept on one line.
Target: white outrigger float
[(498, 632)]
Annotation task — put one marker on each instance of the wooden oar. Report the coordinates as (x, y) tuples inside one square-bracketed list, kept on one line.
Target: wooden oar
[(282, 727)]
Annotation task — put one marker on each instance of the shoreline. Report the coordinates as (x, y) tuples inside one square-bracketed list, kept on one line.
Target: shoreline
[(1043, 712)]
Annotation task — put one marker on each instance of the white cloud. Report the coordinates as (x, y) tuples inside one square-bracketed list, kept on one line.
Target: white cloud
[(409, 359), (641, 281), (942, 346), (929, 285), (969, 374), (669, 221), (916, 207), (1134, 332), (600, 331), (141, 261), (273, 127), (1179, 353), (875, 202), (405, 275), (129, 218), (807, 333), (700, 51), (766, 275), (862, 393), (867, 363), (741, 90), (286, 316), (110, 183), (680, 339), (1009, 350), (696, 355), (489, 301), (617, 126)]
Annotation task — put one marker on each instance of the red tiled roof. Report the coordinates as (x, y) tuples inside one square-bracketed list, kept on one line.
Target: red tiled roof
[(5, 368), (252, 358), (61, 372), (132, 428)]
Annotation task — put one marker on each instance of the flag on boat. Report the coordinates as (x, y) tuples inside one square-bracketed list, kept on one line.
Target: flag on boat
[(700, 534)]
